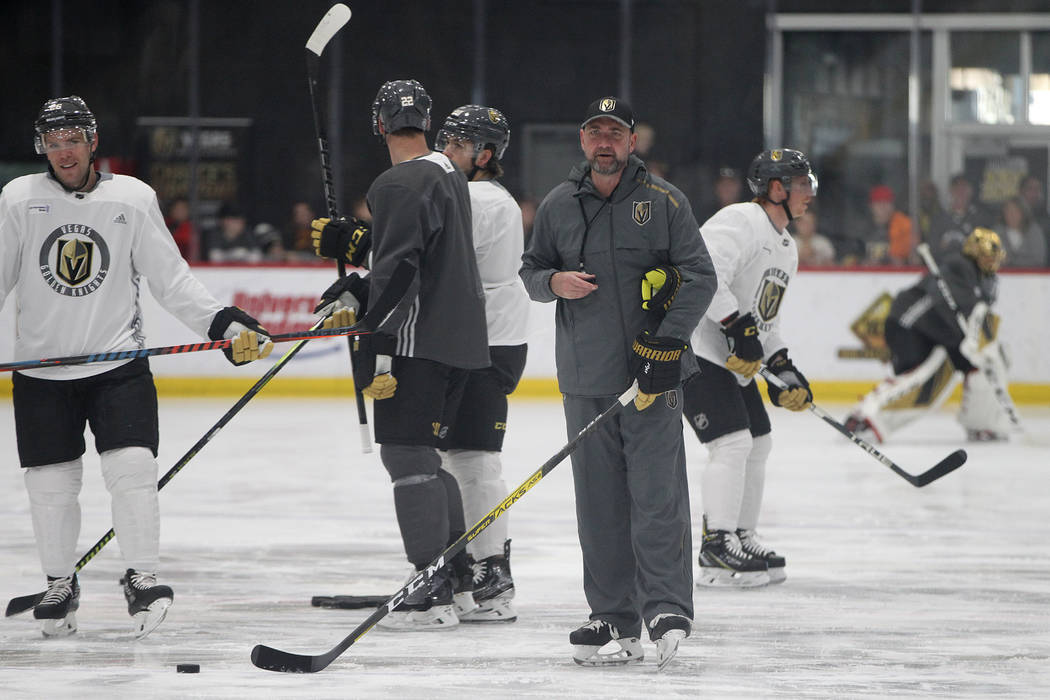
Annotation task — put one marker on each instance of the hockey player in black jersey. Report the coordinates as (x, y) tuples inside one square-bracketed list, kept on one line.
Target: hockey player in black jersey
[(415, 363)]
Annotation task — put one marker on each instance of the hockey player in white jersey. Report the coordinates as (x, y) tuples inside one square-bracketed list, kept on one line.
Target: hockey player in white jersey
[(755, 259), (74, 246), (474, 138)]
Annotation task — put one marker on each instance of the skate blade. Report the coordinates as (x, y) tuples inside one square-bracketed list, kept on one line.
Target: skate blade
[(630, 652), (438, 617), (777, 575), (712, 577), (464, 604), (62, 627), (149, 619), (495, 610), (667, 647)]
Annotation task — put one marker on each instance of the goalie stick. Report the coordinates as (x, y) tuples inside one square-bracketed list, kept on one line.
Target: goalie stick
[(1001, 394), (402, 278), (333, 20), (945, 466), (271, 659)]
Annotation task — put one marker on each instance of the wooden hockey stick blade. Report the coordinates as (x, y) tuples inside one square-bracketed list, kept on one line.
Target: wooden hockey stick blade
[(270, 659), (333, 20), (945, 466), (347, 602)]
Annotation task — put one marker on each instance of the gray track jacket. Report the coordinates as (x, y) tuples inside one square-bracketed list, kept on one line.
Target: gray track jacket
[(646, 222)]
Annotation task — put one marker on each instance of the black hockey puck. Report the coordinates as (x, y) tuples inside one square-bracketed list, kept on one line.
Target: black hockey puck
[(188, 668)]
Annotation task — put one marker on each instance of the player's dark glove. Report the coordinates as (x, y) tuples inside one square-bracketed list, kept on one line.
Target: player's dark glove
[(342, 238), (745, 349), (659, 287), (341, 303), (797, 396), (250, 340), (659, 366), (372, 372)]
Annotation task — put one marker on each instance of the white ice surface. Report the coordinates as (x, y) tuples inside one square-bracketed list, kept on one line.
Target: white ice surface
[(895, 591)]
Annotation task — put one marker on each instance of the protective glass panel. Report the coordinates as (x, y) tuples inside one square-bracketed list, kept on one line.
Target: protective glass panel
[(985, 78), (1039, 83)]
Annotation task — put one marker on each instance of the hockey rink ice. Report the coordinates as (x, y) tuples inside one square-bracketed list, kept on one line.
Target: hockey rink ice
[(892, 590)]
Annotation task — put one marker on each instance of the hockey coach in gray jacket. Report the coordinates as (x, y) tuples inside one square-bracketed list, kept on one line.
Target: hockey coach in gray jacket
[(596, 236)]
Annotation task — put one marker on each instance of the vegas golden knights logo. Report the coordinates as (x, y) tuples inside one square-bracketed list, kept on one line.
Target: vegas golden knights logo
[(607, 105), (494, 116), (769, 299), (74, 260), (643, 211)]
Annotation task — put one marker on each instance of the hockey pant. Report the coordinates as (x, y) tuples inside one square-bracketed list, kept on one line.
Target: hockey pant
[(734, 480), (899, 400), (130, 474), (479, 475)]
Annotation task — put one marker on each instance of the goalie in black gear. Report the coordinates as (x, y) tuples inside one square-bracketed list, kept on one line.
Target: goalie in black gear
[(930, 353)]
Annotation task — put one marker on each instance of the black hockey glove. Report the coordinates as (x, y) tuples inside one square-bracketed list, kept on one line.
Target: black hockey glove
[(659, 287), (250, 340), (745, 349), (659, 366), (341, 303), (349, 239), (372, 373), (797, 396)]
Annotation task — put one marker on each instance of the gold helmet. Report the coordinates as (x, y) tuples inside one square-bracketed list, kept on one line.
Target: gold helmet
[(984, 246)]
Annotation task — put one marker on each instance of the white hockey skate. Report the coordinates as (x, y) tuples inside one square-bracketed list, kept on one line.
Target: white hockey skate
[(589, 640), (667, 630), (148, 602), (57, 609)]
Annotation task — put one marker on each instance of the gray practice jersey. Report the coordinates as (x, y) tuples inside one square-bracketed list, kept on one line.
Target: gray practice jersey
[(76, 260), (421, 213)]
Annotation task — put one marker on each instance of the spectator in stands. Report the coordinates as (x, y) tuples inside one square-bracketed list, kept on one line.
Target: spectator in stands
[(814, 248), (891, 240), (929, 208), (182, 229), (1022, 238), (1034, 197), (297, 240), (951, 228), (232, 240), (728, 189)]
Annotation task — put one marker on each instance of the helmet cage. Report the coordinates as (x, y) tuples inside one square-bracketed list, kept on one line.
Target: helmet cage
[(485, 127)]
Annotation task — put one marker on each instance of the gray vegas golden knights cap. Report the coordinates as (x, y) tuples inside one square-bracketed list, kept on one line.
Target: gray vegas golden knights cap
[(611, 107)]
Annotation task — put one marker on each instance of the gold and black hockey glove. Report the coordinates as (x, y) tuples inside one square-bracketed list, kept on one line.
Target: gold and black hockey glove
[(659, 366), (342, 303), (348, 239), (797, 397), (372, 371), (745, 349), (250, 340)]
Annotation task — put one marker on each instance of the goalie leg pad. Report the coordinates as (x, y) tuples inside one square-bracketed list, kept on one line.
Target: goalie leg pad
[(981, 414)]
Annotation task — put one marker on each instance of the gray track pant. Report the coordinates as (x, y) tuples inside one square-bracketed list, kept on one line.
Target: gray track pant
[(632, 511)]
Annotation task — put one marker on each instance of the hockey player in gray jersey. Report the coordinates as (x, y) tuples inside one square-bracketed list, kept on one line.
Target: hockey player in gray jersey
[(474, 138), (755, 259), (595, 237), (415, 364), (75, 245)]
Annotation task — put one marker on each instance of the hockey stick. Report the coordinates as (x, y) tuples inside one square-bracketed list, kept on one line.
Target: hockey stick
[(945, 466), (347, 602), (272, 659), (333, 20), (315, 332), (1001, 394), (23, 603), (399, 282)]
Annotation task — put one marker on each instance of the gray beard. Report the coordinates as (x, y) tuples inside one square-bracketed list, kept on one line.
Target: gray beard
[(616, 166)]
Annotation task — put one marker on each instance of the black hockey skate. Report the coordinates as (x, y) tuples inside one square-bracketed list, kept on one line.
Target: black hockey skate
[(428, 607), (148, 602), (775, 564), (58, 607), (493, 590), (667, 630), (463, 584), (589, 640), (724, 563)]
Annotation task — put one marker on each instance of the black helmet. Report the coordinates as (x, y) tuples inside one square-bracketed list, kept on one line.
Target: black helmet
[(401, 104), (778, 164), (64, 113), (483, 126)]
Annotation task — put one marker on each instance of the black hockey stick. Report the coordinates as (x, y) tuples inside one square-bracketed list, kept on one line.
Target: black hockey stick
[(347, 602), (272, 659), (1001, 394), (333, 20), (945, 466), (402, 278)]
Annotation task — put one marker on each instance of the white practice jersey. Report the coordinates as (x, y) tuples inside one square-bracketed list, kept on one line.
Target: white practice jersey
[(75, 261), (499, 240), (754, 263)]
